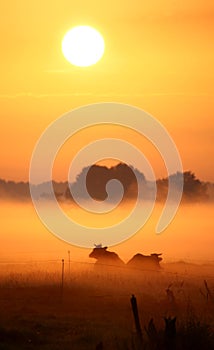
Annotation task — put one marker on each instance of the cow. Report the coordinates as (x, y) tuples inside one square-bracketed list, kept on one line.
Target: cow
[(145, 262), (104, 257)]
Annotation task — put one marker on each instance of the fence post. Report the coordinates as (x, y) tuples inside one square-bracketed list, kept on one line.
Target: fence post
[(137, 321), (62, 281), (170, 333), (69, 263)]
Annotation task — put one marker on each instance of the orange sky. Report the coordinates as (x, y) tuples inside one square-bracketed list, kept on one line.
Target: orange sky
[(159, 56)]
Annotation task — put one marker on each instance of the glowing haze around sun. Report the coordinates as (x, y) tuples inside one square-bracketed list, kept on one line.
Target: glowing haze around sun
[(83, 46)]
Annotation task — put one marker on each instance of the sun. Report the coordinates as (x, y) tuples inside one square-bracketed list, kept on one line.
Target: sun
[(83, 46)]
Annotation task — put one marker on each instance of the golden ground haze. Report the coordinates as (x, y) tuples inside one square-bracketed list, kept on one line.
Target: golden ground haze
[(189, 237)]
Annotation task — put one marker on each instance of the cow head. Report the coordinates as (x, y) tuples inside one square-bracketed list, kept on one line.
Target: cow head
[(98, 252), (157, 256)]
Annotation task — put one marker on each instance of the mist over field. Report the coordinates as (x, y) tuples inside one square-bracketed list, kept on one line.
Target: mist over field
[(189, 237)]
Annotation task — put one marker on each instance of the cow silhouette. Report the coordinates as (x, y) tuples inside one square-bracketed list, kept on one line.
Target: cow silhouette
[(147, 262), (104, 257)]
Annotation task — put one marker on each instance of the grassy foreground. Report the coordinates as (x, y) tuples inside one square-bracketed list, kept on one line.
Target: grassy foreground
[(92, 309)]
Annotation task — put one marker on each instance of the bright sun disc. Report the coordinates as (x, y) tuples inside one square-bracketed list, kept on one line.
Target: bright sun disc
[(83, 46)]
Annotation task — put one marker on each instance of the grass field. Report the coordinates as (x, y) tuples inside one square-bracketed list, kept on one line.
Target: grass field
[(93, 308)]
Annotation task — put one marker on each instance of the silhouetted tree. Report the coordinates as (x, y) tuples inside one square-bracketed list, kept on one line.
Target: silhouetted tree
[(98, 177), (193, 188)]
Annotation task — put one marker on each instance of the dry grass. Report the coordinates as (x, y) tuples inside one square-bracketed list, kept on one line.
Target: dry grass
[(95, 307)]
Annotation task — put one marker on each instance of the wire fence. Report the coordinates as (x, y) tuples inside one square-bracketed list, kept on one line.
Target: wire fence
[(69, 263)]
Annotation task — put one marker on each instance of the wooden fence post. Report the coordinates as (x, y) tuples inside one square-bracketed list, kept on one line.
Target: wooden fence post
[(62, 281), (170, 333), (69, 262), (137, 321)]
